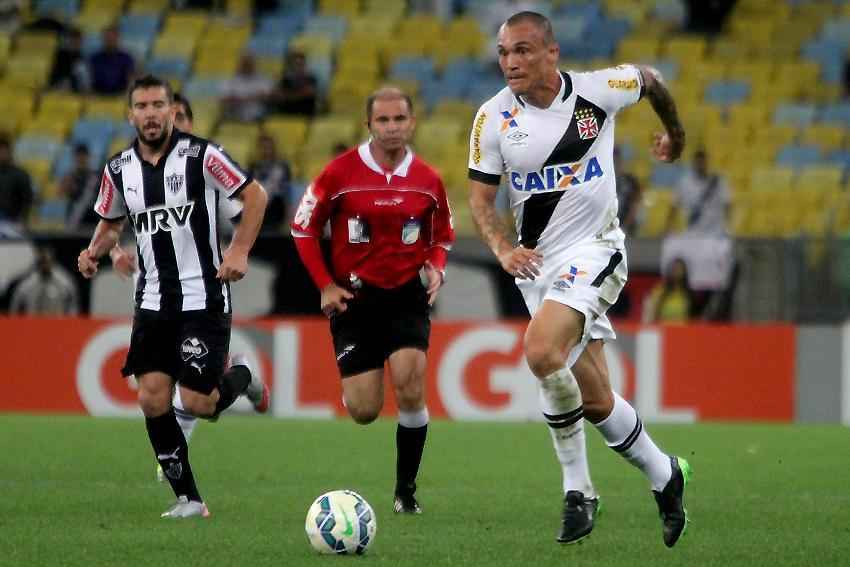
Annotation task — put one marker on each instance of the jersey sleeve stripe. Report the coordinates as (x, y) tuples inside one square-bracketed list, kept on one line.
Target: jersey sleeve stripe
[(486, 178)]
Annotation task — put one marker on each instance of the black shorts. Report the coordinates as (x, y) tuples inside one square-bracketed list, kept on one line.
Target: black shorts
[(190, 346), (377, 323)]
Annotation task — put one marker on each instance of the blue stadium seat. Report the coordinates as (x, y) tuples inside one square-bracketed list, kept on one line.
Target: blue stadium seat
[(139, 25), (269, 45), (67, 9), (798, 156), (64, 161), (823, 50), (171, 68), (280, 24), (36, 148), (331, 26), (413, 68), (569, 28), (666, 175), (725, 93), (53, 210), (837, 29), (839, 158), (302, 9), (794, 114), (836, 113), (91, 130), (203, 88)]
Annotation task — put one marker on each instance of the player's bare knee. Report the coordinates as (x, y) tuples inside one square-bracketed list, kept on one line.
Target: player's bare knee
[(199, 405), (543, 358), (154, 402), (410, 394), (363, 415)]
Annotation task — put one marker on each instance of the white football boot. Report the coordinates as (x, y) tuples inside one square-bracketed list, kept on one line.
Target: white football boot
[(185, 508)]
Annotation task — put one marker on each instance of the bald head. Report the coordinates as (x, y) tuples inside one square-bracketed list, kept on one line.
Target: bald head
[(386, 94), (539, 21)]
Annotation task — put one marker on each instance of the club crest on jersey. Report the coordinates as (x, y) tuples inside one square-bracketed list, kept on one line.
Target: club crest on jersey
[(410, 232), (151, 221), (509, 120), (588, 128), (557, 177), (566, 281), (174, 182)]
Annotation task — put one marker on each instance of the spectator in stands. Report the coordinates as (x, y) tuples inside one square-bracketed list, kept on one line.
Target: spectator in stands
[(16, 193), (273, 173), (111, 67), (48, 290), (247, 93), (704, 197), (707, 16), (298, 89), (629, 193), (79, 186), (671, 300), (69, 67)]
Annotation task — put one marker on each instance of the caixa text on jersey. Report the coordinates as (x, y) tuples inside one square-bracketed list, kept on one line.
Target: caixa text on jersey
[(556, 177)]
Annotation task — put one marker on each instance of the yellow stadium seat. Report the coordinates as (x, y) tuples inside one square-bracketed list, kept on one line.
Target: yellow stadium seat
[(821, 179), (175, 45), (186, 22), (270, 67), (381, 25), (686, 49), (421, 25), (217, 63), (30, 71), (36, 43), (347, 8), (772, 179), (312, 45), (148, 6), (39, 170), (798, 72), (639, 49), (313, 165), (657, 205), (61, 103), (755, 72), (239, 8), (113, 108), (393, 8), (95, 21), (5, 47), (815, 223), (455, 109), (289, 134), (50, 125), (219, 33), (825, 136), (729, 49), (324, 133)]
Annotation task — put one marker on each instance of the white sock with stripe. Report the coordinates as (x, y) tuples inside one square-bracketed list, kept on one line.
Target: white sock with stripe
[(186, 420), (560, 401), (624, 432)]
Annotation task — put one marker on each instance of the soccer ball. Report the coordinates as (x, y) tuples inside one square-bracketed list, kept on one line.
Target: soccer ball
[(340, 521)]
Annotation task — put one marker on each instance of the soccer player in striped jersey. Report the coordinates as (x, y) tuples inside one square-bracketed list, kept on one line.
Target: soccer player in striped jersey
[(169, 184)]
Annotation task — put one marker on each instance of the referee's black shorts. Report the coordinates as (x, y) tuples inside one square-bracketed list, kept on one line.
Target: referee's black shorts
[(379, 322), (189, 346)]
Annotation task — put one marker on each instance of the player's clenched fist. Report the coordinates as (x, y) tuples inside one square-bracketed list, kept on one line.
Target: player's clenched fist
[(87, 264), (521, 263)]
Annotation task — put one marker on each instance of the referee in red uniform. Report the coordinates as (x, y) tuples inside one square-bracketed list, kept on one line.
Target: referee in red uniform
[(389, 220)]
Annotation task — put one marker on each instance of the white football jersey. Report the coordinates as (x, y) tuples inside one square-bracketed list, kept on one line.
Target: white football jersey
[(559, 160)]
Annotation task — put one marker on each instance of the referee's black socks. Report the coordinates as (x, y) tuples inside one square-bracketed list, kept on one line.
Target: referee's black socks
[(410, 443), (172, 453)]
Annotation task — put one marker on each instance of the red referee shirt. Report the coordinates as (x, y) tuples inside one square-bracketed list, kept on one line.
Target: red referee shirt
[(384, 225)]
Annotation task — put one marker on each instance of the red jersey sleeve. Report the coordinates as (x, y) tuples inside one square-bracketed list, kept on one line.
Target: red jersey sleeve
[(442, 229), (310, 218)]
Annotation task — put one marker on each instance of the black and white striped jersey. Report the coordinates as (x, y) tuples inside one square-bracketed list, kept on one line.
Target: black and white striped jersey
[(172, 207), (558, 160)]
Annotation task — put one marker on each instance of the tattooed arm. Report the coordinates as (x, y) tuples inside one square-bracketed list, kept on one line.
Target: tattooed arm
[(666, 147), (519, 262)]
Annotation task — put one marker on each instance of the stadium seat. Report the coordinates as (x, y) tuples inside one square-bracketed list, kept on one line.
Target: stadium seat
[(148, 6), (725, 93), (344, 8), (794, 114), (796, 157), (772, 179), (825, 136)]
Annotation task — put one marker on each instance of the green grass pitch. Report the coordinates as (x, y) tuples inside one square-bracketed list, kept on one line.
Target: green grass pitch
[(81, 491)]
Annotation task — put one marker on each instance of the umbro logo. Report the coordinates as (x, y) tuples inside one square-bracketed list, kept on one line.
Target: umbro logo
[(517, 136)]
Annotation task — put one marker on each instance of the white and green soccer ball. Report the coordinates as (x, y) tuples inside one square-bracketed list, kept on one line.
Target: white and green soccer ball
[(341, 521)]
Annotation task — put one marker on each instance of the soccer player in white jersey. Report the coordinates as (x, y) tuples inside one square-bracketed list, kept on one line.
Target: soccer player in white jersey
[(552, 134)]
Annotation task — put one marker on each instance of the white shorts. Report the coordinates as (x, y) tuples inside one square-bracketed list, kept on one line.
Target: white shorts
[(589, 278)]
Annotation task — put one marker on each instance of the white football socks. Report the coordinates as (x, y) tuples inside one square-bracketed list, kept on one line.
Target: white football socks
[(186, 420), (560, 401), (623, 431)]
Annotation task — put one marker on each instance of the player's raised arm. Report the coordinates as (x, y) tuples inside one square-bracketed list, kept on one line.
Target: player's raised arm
[(666, 147)]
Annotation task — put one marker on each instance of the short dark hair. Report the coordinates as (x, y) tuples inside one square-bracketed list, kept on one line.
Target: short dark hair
[(81, 148), (536, 19), (387, 93), (180, 99), (149, 82)]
